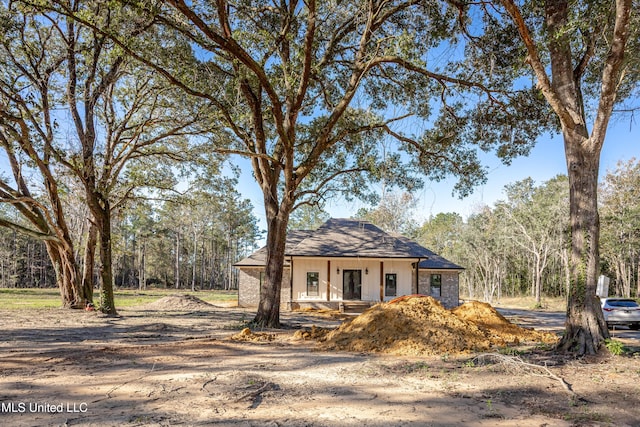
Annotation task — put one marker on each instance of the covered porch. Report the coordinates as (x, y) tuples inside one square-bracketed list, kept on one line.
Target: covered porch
[(330, 282)]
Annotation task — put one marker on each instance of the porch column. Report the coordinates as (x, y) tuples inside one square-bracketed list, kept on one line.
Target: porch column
[(381, 281), (291, 282), (329, 280), (417, 276)]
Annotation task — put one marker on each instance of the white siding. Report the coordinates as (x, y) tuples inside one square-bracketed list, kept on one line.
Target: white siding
[(370, 274), (301, 266), (404, 272)]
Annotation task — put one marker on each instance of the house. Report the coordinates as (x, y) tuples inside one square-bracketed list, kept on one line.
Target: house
[(348, 261)]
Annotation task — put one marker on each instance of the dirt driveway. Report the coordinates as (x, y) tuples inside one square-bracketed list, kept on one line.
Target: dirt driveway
[(153, 367)]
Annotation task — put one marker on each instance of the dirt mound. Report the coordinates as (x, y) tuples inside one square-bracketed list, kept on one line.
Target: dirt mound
[(422, 326), (415, 326), (500, 330), (247, 335), (315, 333), (177, 302)]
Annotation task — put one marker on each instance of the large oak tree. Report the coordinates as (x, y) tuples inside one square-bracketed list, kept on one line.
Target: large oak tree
[(582, 56), (324, 97), (74, 103), (28, 128), (309, 91)]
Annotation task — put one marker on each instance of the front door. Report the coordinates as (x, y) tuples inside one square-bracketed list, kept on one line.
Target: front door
[(351, 284)]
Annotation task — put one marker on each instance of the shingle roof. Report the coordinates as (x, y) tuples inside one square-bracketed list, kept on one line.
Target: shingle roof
[(259, 257), (344, 238), (353, 238), (436, 262)]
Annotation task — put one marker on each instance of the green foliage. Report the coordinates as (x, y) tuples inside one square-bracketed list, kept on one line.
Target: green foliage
[(620, 222), (394, 213), (95, 126), (307, 217), (510, 351), (497, 245), (615, 347), (442, 234), (345, 109), (210, 227)]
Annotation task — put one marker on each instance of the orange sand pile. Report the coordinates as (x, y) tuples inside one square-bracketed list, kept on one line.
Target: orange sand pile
[(500, 330), (422, 326), (315, 333), (247, 335), (415, 326)]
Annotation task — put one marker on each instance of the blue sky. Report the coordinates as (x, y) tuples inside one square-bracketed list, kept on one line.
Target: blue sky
[(545, 161)]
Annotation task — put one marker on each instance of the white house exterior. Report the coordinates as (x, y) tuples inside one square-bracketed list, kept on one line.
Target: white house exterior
[(350, 261)]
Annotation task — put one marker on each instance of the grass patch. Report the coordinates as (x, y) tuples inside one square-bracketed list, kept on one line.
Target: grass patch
[(19, 299), (29, 298)]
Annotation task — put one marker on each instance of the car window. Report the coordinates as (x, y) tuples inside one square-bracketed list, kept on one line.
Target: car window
[(622, 303)]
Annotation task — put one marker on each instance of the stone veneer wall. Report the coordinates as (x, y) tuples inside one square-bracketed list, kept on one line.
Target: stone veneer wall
[(249, 288), (450, 286)]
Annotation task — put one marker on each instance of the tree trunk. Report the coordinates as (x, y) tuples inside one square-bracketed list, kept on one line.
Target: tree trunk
[(203, 265), (103, 219), (585, 328), (638, 280), (585, 325), (230, 261), (176, 272), (268, 314), (538, 295), (142, 277), (89, 262), (67, 277), (194, 267)]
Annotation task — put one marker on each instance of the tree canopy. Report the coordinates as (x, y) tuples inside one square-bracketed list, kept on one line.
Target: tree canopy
[(76, 110), (309, 90)]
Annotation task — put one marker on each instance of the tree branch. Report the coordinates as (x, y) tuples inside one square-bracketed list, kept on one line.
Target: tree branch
[(612, 72), (544, 83)]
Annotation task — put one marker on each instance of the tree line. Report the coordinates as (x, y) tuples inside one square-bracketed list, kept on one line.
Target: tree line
[(520, 245), (186, 242), (516, 247)]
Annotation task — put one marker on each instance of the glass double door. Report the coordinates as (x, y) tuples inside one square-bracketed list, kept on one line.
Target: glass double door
[(351, 284)]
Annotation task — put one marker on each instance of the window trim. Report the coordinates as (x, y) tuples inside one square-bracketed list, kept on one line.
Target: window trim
[(386, 283), (435, 285), (310, 275)]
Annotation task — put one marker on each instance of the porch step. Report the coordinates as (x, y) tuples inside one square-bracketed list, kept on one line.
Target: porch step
[(355, 307)]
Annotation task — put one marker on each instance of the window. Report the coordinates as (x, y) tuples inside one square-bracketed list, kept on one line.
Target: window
[(436, 285), (313, 283), (390, 284)]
